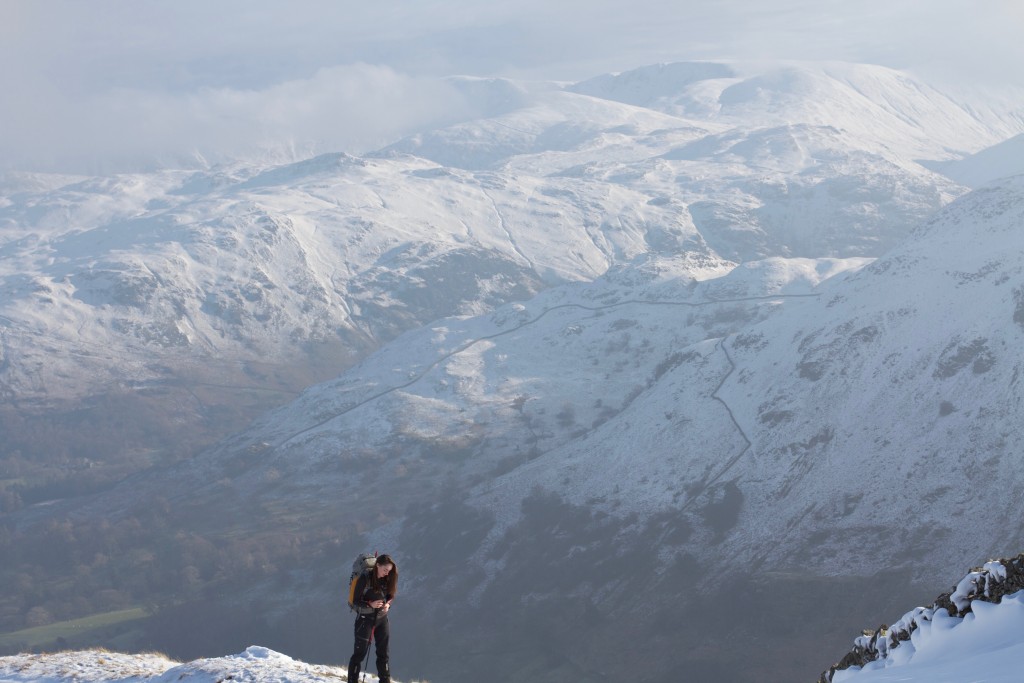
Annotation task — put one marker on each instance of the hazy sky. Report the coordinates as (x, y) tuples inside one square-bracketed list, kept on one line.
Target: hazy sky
[(116, 84)]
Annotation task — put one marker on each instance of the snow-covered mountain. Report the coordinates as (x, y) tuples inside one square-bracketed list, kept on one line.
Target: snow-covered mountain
[(136, 278), (882, 107), (686, 339)]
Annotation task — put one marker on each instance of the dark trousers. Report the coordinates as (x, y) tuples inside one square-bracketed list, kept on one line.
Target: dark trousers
[(380, 633)]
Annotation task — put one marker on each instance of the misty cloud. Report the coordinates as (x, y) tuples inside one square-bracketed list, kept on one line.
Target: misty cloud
[(352, 108), (119, 85)]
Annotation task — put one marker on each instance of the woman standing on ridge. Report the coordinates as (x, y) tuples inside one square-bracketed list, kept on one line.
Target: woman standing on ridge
[(375, 588)]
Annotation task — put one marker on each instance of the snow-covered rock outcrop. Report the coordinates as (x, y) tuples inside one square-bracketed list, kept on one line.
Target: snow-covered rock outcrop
[(961, 636)]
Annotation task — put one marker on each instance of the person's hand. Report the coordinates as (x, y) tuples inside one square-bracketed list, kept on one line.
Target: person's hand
[(377, 604), (386, 607)]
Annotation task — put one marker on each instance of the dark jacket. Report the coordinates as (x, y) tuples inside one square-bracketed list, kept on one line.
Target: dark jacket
[(368, 590)]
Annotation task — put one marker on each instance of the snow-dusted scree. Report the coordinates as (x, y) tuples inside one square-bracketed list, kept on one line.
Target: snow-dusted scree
[(989, 584)]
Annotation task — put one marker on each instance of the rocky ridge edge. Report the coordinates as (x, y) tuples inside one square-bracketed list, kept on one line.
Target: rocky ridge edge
[(988, 583)]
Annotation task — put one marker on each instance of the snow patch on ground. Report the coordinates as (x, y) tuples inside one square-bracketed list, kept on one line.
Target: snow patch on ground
[(255, 665)]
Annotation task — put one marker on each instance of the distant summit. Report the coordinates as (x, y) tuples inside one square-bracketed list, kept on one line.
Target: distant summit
[(650, 85)]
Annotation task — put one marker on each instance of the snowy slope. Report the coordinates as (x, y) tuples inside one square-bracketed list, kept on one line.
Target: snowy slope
[(255, 665), (905, 374), (971, 633), (984, 646)]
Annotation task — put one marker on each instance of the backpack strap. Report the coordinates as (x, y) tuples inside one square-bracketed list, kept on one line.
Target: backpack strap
[(360, 588)]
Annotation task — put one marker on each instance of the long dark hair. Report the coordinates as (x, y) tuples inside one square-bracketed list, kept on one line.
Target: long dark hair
[(389, 584)]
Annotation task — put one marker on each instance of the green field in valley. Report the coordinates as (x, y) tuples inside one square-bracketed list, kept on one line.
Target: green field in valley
[(76, 632)]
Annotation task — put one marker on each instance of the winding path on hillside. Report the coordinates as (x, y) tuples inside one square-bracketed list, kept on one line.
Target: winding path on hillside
[(628, 302)]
